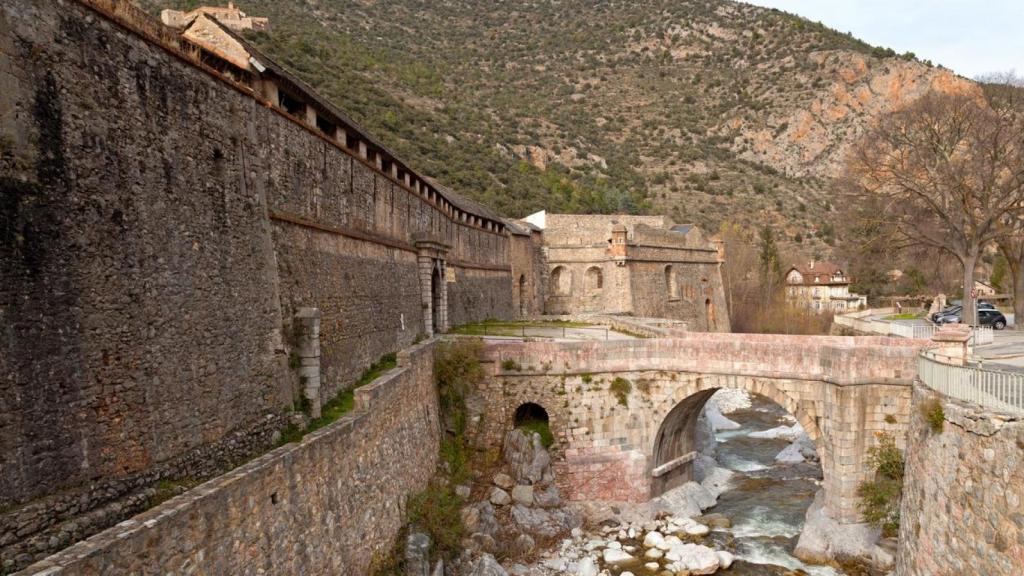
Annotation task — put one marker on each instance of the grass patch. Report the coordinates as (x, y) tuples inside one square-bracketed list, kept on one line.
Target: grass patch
[(540, 427), (905, 316), (510, 365), (620, 388), (880, 496), (343, 403), (513, 328), (167, 489), (933, 413)]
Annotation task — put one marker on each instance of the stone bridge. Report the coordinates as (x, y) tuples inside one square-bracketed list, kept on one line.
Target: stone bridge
[(632, 445)]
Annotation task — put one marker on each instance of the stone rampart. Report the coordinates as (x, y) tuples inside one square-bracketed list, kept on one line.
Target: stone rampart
[(963, 493), (160, 225), (324, 505)]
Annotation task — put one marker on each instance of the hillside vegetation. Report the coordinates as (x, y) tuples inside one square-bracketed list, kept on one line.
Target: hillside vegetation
[(704, 110)]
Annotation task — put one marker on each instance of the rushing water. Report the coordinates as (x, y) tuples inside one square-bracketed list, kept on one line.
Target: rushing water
[(767, 501)]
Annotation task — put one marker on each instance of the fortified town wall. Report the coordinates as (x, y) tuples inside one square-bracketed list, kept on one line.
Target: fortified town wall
[(325, 505), (162, 224)]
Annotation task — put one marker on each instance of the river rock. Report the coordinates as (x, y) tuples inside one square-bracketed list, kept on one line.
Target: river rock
[(714, 521), (499, 497), (504, 481), (725, 559), (696, 558), (653, 553), (696, 529), (779, 432), (684, 501), (587, 567), (614, 557), (654, 539), (652, 566), (523, 494)]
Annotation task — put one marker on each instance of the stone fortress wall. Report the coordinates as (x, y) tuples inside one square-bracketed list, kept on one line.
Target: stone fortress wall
[(325, 505), (161, 226), (633, 265)]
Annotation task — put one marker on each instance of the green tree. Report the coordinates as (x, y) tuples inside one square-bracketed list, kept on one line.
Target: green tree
[(771, 265)]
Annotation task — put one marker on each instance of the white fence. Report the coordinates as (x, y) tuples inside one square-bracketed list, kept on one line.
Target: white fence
[(992, 389), (864, 321)]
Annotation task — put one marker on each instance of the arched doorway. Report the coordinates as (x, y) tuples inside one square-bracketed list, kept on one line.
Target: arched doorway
[(531, 417), (436, 279)]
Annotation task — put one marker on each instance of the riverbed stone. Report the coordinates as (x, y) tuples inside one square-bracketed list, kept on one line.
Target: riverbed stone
[(504, 481), (587, 567), (614, 557)]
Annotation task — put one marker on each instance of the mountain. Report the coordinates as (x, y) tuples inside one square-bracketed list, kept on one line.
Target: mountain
[(706, 110)]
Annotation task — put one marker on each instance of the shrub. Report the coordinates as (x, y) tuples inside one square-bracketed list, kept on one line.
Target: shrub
[(541, 427), (456, 369), (510, 365), (880, 497), (436, 511), (934, 414), (621, 388)]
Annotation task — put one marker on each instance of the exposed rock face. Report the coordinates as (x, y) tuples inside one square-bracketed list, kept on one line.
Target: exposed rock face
[(417, 554), (801, 450), (527, 459), (823, 540), (486, 565)]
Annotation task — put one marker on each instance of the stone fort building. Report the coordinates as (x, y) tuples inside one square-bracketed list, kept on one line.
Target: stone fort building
[(634, 265)]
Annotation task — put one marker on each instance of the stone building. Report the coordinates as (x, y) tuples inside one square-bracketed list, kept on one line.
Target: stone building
[(822, 287), (230, 16), (636, 265)]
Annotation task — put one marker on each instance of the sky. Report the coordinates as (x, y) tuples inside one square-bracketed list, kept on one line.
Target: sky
[(970, 37)]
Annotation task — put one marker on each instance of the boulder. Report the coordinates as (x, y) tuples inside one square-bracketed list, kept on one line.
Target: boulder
[(417, 554), (725, 559), (523, 494), (499, 497), (696, 558), (779, 432), (504, 481), (486, 565), (536, 520), (714, 521), (823, 539), (684, 501), (527, 458), (587, 567), (548, 498)]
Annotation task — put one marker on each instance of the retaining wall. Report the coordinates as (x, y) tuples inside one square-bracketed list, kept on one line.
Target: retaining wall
[(963, 494), (324, 505)]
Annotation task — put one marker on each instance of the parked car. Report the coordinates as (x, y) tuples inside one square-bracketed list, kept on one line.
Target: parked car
[(986, 317), (955, 311)]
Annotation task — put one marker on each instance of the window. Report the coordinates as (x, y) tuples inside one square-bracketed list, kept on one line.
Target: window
[(594, 279), (671, 283)]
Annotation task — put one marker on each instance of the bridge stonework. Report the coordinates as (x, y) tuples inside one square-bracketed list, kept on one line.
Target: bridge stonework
[(841, 391)]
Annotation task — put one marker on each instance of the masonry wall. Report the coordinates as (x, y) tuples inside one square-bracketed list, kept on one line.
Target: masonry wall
[(841, 390), (160, 227), (963, 493), (325, 505), (529, 274)]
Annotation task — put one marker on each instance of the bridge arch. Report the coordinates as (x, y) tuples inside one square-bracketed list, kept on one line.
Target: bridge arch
[(674, 447)]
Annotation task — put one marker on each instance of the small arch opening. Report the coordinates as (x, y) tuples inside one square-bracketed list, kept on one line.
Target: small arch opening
[(595, 279), (671, 283), (561, 281), (530, 417)]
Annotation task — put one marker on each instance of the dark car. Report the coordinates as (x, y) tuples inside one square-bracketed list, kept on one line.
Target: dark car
[(986, 317), (955, 311)]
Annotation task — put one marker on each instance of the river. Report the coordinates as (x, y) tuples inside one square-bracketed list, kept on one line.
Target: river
[(767, 501)]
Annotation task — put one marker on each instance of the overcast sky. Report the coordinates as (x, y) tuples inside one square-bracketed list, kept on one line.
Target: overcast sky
[(970, 37)]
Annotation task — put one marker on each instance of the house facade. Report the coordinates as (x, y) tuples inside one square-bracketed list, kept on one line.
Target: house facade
[(821, 287)]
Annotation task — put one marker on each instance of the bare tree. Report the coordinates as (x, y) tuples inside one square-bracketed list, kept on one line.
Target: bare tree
[(948, 169), (1005, 92)]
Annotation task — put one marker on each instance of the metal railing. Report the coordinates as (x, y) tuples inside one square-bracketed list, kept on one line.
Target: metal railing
[(862, 322), (995, 390)]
